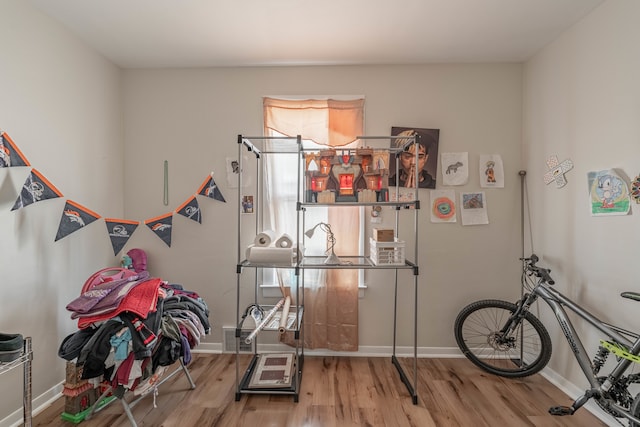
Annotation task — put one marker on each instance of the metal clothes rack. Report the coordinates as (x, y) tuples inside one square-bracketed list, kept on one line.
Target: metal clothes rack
[(25, 361), (128, 406)]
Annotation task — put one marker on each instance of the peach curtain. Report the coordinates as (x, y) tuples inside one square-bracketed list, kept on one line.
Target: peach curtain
[(331, 309)]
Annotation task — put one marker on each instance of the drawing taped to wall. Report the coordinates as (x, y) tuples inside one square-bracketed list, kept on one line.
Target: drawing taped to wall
[(491, 171), (635, 189), (443, 207), (557, 170), (455, 168), (233, 170), (608, 193), (473, 208)]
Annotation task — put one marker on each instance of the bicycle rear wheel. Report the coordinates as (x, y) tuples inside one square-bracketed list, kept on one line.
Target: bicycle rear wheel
[(524, 352)]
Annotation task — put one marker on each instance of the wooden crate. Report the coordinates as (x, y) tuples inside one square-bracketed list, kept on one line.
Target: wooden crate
[(383, 234)]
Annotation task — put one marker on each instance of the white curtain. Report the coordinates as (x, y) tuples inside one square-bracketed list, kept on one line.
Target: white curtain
[(331, 299)]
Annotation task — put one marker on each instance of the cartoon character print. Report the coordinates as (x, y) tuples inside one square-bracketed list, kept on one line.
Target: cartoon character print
[(491, 175), (608, 189)]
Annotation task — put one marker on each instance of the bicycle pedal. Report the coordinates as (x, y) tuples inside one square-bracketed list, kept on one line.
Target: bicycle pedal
[(561, 410)]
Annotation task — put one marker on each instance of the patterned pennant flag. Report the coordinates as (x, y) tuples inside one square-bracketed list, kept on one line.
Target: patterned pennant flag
[(10, 154), (74, 217), (35, 189), (120, 230), (191, 210), (161, 225), (210, 189)]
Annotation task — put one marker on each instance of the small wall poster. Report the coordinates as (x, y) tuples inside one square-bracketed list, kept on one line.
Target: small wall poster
[(455, 168), (233, 170), (491, 171), (608, 193), (473, 208), (443, 206), (247, 204)]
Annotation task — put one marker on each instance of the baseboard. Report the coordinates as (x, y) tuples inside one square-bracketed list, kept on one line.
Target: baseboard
[(39, 404), (44, 400)]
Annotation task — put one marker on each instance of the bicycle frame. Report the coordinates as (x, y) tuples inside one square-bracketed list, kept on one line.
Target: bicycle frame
[(557, 301)]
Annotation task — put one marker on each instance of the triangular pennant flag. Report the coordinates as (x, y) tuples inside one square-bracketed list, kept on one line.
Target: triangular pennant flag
[(191, 209), (161, 225), (35, 189), (74, 217), (210, 189), (10, 154), (120, 230)]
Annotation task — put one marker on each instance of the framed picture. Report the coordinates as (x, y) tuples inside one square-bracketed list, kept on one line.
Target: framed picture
[(273, 371), (427, 158)]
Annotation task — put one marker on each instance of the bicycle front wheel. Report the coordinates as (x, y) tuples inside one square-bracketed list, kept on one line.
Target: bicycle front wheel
[(524, 351)]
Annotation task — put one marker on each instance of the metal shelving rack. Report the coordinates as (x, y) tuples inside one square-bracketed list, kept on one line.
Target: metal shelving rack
[(243, 379), (317, 262), (24, 360)]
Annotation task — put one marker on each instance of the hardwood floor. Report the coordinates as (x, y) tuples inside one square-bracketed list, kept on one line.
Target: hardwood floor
[(344, 391)]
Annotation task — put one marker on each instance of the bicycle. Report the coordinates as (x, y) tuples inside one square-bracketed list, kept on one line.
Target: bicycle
[(506, 339)]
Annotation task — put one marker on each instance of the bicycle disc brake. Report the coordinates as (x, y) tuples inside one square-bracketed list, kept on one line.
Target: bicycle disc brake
[(498, 342)]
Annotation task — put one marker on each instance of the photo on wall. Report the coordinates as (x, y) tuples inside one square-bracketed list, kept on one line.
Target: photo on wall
[(427, 158)]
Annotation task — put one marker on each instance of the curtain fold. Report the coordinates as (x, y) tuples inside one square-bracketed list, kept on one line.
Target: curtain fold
[(329, 122), (331, 304)]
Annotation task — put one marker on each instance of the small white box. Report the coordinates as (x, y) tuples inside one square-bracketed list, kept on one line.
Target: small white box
[(386, 253)]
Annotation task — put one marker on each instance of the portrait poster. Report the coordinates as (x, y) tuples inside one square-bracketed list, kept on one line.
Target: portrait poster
[(427, 158), (473, 208)]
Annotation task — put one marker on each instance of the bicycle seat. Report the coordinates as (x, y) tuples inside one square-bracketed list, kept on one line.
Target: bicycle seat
[(631, 295)]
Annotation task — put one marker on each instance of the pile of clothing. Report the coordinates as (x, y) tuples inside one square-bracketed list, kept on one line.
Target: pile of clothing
[(131, 326)]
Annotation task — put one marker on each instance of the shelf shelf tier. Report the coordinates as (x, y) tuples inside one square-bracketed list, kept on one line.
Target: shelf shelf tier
[(23, 360), (317, 263), (294, 390)]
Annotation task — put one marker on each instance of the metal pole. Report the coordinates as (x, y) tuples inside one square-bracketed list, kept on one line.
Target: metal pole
[(522, 174)]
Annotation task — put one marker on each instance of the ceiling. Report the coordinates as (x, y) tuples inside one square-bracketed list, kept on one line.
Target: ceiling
[(212, 33)]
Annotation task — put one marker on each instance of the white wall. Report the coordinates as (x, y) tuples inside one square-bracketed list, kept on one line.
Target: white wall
[(192, 118), (61, 105), (582, 102)]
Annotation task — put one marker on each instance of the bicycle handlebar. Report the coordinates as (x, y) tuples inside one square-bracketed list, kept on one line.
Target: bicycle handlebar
[(542, 273)]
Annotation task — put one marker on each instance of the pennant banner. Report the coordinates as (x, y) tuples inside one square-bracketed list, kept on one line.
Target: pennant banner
[(162, 226), (120, 230), (191, 209), (74, 217), (210, 189), (35, 189), (10, 154)]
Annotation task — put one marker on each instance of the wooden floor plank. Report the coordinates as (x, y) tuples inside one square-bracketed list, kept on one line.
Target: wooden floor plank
[(343, 391)]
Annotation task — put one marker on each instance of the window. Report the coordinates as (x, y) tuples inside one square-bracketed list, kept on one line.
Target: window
[(331, 296)]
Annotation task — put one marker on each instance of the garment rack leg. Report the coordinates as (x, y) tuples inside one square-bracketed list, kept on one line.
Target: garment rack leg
[(128, 406)]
